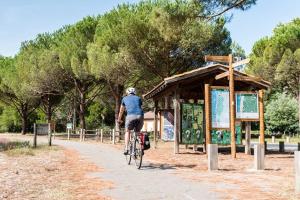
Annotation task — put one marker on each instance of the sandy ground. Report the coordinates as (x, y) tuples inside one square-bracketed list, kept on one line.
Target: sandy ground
[(235, 178), (239, 179), (49, 175)]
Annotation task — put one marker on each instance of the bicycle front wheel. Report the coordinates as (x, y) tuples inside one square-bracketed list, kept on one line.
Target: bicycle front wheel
[(138, 155)]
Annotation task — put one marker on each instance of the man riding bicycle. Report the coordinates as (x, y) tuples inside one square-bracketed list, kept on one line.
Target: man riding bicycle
[(135, 115)]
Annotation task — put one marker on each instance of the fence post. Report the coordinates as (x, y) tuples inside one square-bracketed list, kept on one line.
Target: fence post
[(281, 146), (101, 135), (259, 157), (83, 135), (297, 171), (113, 136), (80, 134), (298, 146), (273, 139), (68, 134), (212, 152), (49, 135), (97, 135), (288, 139), (34, 135)]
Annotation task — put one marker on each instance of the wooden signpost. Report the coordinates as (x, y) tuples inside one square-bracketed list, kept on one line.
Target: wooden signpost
[(228, 59)]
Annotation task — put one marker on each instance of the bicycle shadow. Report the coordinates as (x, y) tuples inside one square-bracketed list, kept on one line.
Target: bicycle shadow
[(153, 166)]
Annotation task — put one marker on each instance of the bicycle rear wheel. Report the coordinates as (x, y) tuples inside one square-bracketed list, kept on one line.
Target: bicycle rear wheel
[(138, 154)]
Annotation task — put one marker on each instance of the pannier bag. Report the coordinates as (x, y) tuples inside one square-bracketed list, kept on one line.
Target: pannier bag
[(145, 141)]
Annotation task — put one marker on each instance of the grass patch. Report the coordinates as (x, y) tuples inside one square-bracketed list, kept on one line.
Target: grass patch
[(23, 148)]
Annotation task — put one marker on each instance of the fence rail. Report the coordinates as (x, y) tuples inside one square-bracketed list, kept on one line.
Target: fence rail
[(101, 135)]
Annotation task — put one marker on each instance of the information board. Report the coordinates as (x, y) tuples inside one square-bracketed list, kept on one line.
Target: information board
[(192, 123), (247, 106), (69, 125), (224, 137), (220, 108), (168, 126)]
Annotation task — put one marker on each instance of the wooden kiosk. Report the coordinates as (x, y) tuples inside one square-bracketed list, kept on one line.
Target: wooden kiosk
[(200, 100)]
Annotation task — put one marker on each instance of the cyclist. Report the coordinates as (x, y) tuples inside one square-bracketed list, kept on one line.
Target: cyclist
[(135, 115)]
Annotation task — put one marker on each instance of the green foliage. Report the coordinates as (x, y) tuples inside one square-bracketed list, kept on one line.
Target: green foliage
[(10, 120), (237, 50), (282, 113), (99, 115), (279, 53)]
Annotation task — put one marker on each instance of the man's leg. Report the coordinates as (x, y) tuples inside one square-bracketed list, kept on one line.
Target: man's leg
[(127, 137)]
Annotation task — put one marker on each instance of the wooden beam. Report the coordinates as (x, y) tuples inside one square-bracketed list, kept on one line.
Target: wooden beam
[(261, 117), (232, 108), (155, 124), (223, 75), (176, 102), (224, 59), (207, 105), (241, 62), (246, 78)]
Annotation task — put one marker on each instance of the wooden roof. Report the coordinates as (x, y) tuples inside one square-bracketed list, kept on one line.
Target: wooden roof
[(202, 72)]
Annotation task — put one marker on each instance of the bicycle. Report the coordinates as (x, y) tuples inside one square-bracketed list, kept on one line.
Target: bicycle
[(136, 151)]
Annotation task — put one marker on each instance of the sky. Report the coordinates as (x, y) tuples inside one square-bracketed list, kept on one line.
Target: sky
[(22, 20)]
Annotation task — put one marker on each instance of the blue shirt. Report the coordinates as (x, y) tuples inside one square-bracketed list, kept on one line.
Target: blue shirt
[(133, 105)]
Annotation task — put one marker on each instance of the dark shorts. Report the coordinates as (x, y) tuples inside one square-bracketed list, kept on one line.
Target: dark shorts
[(134, 122)]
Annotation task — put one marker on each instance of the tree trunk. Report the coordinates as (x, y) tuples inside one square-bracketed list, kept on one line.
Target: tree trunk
[(49, 109), (82, 108), (24, 116), (117, 93), (299, 112)]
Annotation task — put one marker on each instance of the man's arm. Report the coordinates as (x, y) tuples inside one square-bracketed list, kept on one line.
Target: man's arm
[(122, 109)]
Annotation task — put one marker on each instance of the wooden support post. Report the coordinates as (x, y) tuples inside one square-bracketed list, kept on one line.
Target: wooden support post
[(248, 138), (177, 130), (49, 135), (281, 146), (113, 136), (212, 161), (101, 135), (207, 103), (261, 117), (232, 107), (297, 171), (259, 157), (34, 136), (155, 125)]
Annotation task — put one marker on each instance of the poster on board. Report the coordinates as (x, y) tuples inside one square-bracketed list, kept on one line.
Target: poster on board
[(247, 106), (168, 126), (220, 108)]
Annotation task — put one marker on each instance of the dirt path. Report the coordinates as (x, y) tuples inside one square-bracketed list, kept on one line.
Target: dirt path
[(185, 176), (151, 182)]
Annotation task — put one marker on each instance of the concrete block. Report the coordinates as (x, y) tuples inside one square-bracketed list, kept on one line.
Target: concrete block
[(259, 157), (212, 151), (297, 171)]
